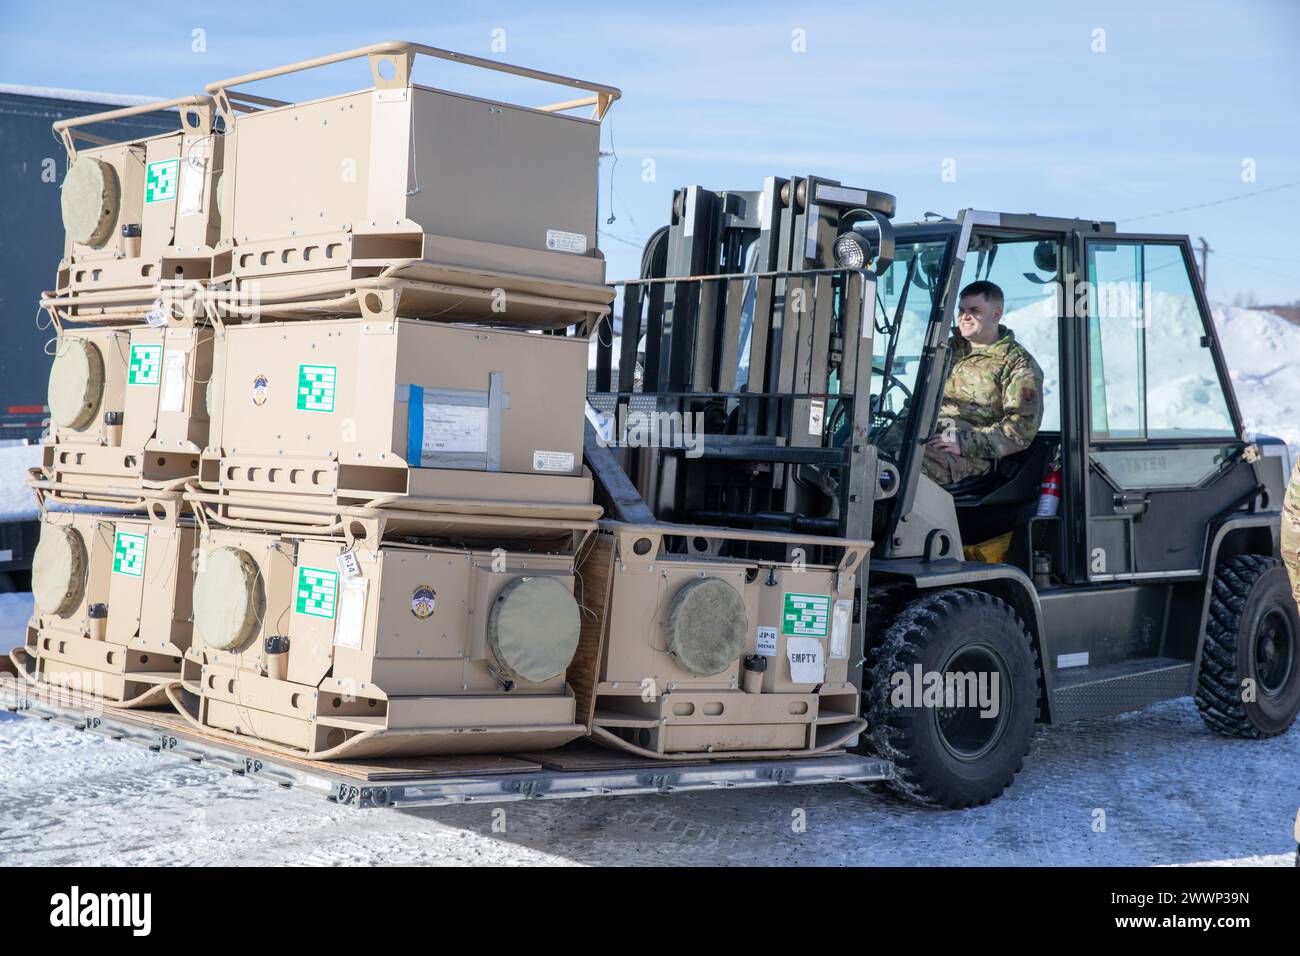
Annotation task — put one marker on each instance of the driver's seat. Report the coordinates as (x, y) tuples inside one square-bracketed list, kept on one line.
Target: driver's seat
[(1014, 479)]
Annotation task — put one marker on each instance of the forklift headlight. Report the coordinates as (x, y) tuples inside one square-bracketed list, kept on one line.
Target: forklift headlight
[(851, 251)]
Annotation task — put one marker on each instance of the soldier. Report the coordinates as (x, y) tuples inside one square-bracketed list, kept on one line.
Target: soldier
[(1291, 531), (992, 401)]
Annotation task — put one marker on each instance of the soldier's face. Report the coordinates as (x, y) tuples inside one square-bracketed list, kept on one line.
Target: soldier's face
[(977, 319)]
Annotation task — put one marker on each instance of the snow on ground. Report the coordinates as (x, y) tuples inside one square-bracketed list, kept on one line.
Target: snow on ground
[(1171, 793), (16, 499)]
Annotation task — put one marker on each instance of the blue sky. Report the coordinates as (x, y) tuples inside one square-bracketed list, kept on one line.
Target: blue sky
[(1032, 116)]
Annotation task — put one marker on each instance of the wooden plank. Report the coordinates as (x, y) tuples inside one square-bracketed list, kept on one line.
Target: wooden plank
[(594, 585)]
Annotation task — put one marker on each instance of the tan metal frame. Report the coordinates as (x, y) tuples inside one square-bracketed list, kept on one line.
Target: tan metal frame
[(399, 55)]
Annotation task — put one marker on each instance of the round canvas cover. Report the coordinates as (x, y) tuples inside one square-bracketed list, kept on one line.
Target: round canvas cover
[(533, 628), (76, 383), (227, 598), (58, 570), (90, 200), (707, 624)]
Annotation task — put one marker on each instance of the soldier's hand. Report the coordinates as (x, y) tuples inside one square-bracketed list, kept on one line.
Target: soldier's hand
[(939, 443)]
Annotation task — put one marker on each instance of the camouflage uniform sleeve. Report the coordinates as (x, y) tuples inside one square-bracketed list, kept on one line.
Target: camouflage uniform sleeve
[(1022, 413)]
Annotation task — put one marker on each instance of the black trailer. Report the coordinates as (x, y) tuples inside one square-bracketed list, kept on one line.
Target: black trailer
[(32, 166)]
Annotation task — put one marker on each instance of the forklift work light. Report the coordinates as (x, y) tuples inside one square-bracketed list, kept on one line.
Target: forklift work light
[(851, 251)]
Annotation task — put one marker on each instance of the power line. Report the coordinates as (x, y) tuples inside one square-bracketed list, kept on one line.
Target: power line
[(1212, 202)]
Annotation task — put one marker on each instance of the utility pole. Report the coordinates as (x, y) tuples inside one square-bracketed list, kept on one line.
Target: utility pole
[(1205, 252)]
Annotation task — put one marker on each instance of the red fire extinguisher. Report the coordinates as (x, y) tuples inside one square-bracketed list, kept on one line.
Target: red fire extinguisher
[(1049, 502)]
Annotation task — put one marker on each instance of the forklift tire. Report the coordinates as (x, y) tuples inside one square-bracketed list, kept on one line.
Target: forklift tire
[(1253, 634), (953, 757)]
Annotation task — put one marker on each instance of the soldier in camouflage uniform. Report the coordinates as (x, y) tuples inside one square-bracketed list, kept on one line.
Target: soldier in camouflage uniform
[(1291, 531), (993, 399)]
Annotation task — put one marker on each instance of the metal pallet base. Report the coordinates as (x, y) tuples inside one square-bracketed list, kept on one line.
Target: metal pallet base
[(651, 777)]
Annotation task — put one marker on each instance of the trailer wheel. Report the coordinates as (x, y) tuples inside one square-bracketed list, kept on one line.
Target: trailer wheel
[(1249, 682), (946, 755)]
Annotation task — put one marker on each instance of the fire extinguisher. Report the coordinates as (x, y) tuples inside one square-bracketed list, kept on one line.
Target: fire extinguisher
[(1049, 502)]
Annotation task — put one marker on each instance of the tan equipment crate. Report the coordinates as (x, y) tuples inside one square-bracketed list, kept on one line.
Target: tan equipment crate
[(724, 656), (140, 218), (334, 652), (128, 410), (316, 414), (407, 200), (112, 607)]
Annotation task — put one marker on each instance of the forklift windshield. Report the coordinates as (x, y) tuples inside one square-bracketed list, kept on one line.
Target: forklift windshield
[(906, 296)]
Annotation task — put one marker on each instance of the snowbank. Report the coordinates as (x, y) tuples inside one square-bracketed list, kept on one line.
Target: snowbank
[(1260, 348), (16, 499)]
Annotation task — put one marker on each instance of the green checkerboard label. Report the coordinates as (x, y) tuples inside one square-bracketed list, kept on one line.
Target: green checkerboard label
[(160, 180), (316, 387), (806, 615), (146, 365), (317, 592), (128, 554)]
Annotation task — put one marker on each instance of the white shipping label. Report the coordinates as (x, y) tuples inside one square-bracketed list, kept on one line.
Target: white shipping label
[(351, 622), (454, 428), (348, 565), (807, 660), (816, 415), (553, 461), (766, 643), (156, 318), (194, 170), (565, 241), (173, 382), (841, 618)]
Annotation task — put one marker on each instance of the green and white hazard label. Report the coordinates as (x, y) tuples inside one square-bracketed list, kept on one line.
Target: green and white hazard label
[(128, 554), (317, 592), (806, 615), (146, 365), (316, 387), (160, 180)]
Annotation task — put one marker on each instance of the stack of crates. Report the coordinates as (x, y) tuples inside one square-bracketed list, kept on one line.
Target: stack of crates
[(315, 471), (315, 476)]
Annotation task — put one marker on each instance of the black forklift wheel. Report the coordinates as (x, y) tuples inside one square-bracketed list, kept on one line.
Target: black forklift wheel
[(1249, 682), (960, 738)]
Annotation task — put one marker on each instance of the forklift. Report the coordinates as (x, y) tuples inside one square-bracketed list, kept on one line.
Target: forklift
[(801, 326)]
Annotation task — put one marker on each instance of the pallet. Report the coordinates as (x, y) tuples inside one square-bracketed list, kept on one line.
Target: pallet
[(579, 769)]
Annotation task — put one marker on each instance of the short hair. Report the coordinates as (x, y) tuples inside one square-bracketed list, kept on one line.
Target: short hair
[(989, 290)]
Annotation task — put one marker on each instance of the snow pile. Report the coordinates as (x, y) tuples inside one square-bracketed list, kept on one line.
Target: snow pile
[(16, 499), (1260, 347)]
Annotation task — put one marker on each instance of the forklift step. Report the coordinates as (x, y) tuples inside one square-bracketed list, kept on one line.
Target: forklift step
[(1101, 689)]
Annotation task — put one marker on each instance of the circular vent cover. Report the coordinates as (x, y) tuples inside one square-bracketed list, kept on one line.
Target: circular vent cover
[(533, 629), (76, 383), (707, 626), (58, 570), (90, 198), (228, 600)]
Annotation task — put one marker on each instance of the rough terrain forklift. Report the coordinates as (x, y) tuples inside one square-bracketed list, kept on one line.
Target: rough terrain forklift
[(799, 326)]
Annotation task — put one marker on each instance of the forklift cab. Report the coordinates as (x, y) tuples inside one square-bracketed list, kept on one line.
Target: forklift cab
[(1137, 412)]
